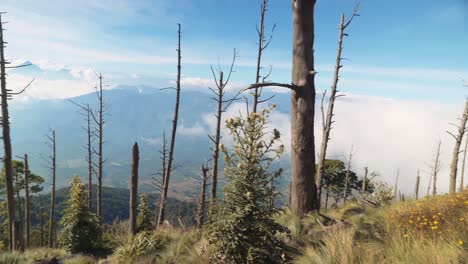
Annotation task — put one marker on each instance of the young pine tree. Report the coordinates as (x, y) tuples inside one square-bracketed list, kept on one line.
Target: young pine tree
[(243, 230), (80, 231), (144, 214)]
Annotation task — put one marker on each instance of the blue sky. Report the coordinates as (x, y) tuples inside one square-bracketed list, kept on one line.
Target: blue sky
[(407, 59), (399, 49)]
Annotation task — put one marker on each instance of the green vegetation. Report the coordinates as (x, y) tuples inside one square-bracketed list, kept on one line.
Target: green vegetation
[(80, 231)]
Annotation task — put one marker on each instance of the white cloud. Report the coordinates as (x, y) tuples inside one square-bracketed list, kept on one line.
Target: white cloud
[(151, 141), (193, 131)]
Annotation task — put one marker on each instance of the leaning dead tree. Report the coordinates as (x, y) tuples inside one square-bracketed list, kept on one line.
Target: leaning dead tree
[(416, 188), (456, 150), (52, 164), (462, 175), (263, 44), (327, 121), (158, 178), (222, 104), (86, 111), (303, 188), (7, 94), (348, 173), (395, 190), (201, 205), (162, 206), (134, 189), (99, 133)]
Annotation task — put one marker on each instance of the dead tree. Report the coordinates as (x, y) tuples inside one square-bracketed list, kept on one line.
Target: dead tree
[(222, 105), (304, 191), (7, 94), (99, 133), (327, 121), (462, 176), (18, 200), (348, 172), (27, 206), (86, 111), (416, 188), (201, 211), (134, 189), (429, 185), (162, 207), (364, 181), (158, 178), (436, 169), (263, 44), (456, 150), (52, 163), (395, 194), (41, 221)]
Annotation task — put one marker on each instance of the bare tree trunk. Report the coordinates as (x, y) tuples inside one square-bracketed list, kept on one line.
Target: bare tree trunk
[(304, 191), (202, 199), (327, 123), (416, 190), (348, 172), (7, 158), (162, 207), (52, 199), (158, 184), (18, 202), (429, 185), (396, 185), (41, 222), (27, 209), (364, 182), (100, 124), (217, 139), (326, 200), (134, 189), (436, 170), (89, 158), (19, 234), (462, 176), (456, 149)]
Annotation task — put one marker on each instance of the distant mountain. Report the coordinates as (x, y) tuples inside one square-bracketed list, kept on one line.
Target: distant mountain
[(116, 206), (138, 114)]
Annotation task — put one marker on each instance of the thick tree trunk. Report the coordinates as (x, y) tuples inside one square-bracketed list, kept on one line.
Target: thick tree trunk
[(52, 199), (456, 149), (304, 191), (27, 208), (7, 158), (19, 235), (217, 139), (162, 207), (416, 189), (462, 176), (134, 190)]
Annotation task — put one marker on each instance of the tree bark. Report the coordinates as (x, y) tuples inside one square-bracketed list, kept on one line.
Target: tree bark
[(462, 176), (7, 158), (100, 151), (416, 189), (217, 139), (134, 189), (89, 158), (436, 170), (52, 199), (304, 191), (456, 149), (364, 181), (162, 207), (27, 209), (202, 199)]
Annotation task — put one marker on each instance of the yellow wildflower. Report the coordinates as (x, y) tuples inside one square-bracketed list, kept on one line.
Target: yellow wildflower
[(460, 242)]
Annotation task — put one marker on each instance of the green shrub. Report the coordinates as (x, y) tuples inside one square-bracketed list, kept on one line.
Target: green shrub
[(80, 231)]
